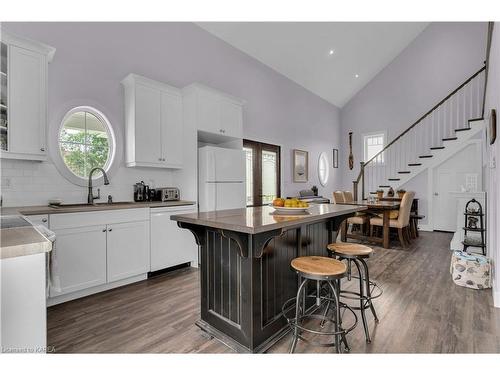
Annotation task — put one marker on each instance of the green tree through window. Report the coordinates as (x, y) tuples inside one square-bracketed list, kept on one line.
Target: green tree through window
[(84, 143)]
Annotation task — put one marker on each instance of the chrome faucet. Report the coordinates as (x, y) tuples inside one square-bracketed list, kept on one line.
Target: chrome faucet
[(90, 199)]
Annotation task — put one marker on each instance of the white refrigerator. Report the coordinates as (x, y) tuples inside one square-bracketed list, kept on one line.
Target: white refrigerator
[(221, 178)]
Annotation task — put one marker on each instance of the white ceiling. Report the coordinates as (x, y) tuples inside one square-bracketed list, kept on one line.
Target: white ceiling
[(301, 50)]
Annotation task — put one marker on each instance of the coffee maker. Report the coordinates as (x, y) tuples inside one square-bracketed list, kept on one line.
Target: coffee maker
[(142, 192)]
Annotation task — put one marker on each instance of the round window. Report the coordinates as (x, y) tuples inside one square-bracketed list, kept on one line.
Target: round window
[(323, 170), (86, 141)]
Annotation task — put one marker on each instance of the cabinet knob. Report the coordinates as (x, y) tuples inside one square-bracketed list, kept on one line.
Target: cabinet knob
[(110, 230), (42, 149), (163, 159), (104, 230), (159, 159), (44, 220)]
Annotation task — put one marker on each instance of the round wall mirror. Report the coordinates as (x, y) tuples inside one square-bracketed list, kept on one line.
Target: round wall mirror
[(323, 169)]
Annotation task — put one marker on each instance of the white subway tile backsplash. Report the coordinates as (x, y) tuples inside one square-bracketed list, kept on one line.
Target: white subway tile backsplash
[(34, 183)]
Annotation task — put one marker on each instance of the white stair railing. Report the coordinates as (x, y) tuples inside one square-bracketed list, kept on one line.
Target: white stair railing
[(433, 129)]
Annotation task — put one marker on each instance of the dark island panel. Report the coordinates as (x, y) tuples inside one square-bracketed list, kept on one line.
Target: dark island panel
[(246, 278)]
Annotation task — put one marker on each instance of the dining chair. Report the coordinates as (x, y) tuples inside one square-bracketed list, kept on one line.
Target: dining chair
[(338, 197), (403, 220), (360, 218)]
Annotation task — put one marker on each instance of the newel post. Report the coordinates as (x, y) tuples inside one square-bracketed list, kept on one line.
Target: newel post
[(362, 165)]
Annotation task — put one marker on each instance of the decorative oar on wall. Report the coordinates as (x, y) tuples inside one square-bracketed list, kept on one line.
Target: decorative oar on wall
[(351, 157)]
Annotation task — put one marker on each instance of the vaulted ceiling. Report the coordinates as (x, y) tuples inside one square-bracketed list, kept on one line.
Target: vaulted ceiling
[(334, 60)]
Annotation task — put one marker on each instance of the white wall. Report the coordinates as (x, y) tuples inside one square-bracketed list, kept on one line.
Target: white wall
[(91, 60), (442, 57), (493, 171)]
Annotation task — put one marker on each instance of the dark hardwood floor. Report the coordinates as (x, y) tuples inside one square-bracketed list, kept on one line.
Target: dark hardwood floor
[(421, 311)]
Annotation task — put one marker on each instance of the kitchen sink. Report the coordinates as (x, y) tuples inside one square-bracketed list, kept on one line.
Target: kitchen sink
[(83, 205)]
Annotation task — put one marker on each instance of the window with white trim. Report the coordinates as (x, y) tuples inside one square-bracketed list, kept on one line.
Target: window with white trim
[(373, 143), (85, 141)]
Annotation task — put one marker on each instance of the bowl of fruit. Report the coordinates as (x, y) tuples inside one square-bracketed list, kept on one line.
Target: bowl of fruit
[(289, 206)]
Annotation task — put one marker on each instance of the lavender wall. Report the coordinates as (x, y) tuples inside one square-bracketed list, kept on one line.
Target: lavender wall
[(92, 59), (437, 61), (493, 171)]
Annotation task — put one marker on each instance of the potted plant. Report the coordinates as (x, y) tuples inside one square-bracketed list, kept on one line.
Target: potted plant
[(401, 192), (380, 193)]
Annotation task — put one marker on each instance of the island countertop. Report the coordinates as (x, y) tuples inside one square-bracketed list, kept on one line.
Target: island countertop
[(254, 220)]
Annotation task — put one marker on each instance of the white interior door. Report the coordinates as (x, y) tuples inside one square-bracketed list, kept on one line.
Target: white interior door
[(444, 205)]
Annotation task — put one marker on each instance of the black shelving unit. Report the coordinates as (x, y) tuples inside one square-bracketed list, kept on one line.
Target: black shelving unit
[(478, 212)]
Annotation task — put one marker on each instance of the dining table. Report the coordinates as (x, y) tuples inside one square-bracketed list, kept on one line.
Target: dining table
[(380, 206)]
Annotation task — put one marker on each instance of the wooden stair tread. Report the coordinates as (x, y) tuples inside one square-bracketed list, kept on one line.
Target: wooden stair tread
[(450, 139), (394, 179), (462, 129), (425, 156), (350, 249), (437, 148), (404, 172), (414, 164), (384, 186), (321, 266)]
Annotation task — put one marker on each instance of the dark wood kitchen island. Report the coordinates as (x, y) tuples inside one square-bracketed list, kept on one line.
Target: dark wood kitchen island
[(245, 267)]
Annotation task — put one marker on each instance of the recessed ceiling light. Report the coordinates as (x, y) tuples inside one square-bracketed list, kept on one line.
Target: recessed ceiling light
[(331, 52), (356, 76)]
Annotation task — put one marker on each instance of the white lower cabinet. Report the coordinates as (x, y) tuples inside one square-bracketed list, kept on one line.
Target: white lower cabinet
[(171, 245), (95, 251), (127, 250), (80, 258)]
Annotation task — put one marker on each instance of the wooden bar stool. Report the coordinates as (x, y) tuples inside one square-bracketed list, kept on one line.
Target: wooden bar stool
[(357, 253), (326, 272)]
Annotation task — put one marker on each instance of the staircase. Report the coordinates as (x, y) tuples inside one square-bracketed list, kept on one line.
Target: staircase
[(433, 138)]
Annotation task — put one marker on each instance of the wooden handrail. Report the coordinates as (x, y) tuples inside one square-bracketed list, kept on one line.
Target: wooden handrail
[(491, 25), (423, 117)]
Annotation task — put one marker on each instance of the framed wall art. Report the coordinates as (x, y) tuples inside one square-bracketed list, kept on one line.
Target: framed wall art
[(300, 166), (335, 158)]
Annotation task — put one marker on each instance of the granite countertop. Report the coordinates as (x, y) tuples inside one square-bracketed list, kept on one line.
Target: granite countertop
[(44, 210), (18, 238), (261, 219)]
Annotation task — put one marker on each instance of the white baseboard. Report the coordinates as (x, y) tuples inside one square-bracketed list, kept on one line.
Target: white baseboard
[(496, 297), (51, 301), (425, 228)]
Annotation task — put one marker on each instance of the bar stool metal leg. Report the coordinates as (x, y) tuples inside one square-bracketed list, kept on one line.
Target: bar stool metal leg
[(295, 335), (368, 291), (337, 315), (362, 301)]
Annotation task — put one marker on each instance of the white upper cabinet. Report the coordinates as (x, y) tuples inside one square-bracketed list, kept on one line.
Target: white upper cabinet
[(213, 111), (24, 98), (153, 120)]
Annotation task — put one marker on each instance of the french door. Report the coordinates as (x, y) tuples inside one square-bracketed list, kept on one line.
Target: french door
[(263, 176)]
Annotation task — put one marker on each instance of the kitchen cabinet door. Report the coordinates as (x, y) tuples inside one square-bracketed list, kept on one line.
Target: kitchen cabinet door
[(128, 250), (231, 121), (208, 111), (27, 110), (80, 258), (170, 245), (147, 135), (171, 129)]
